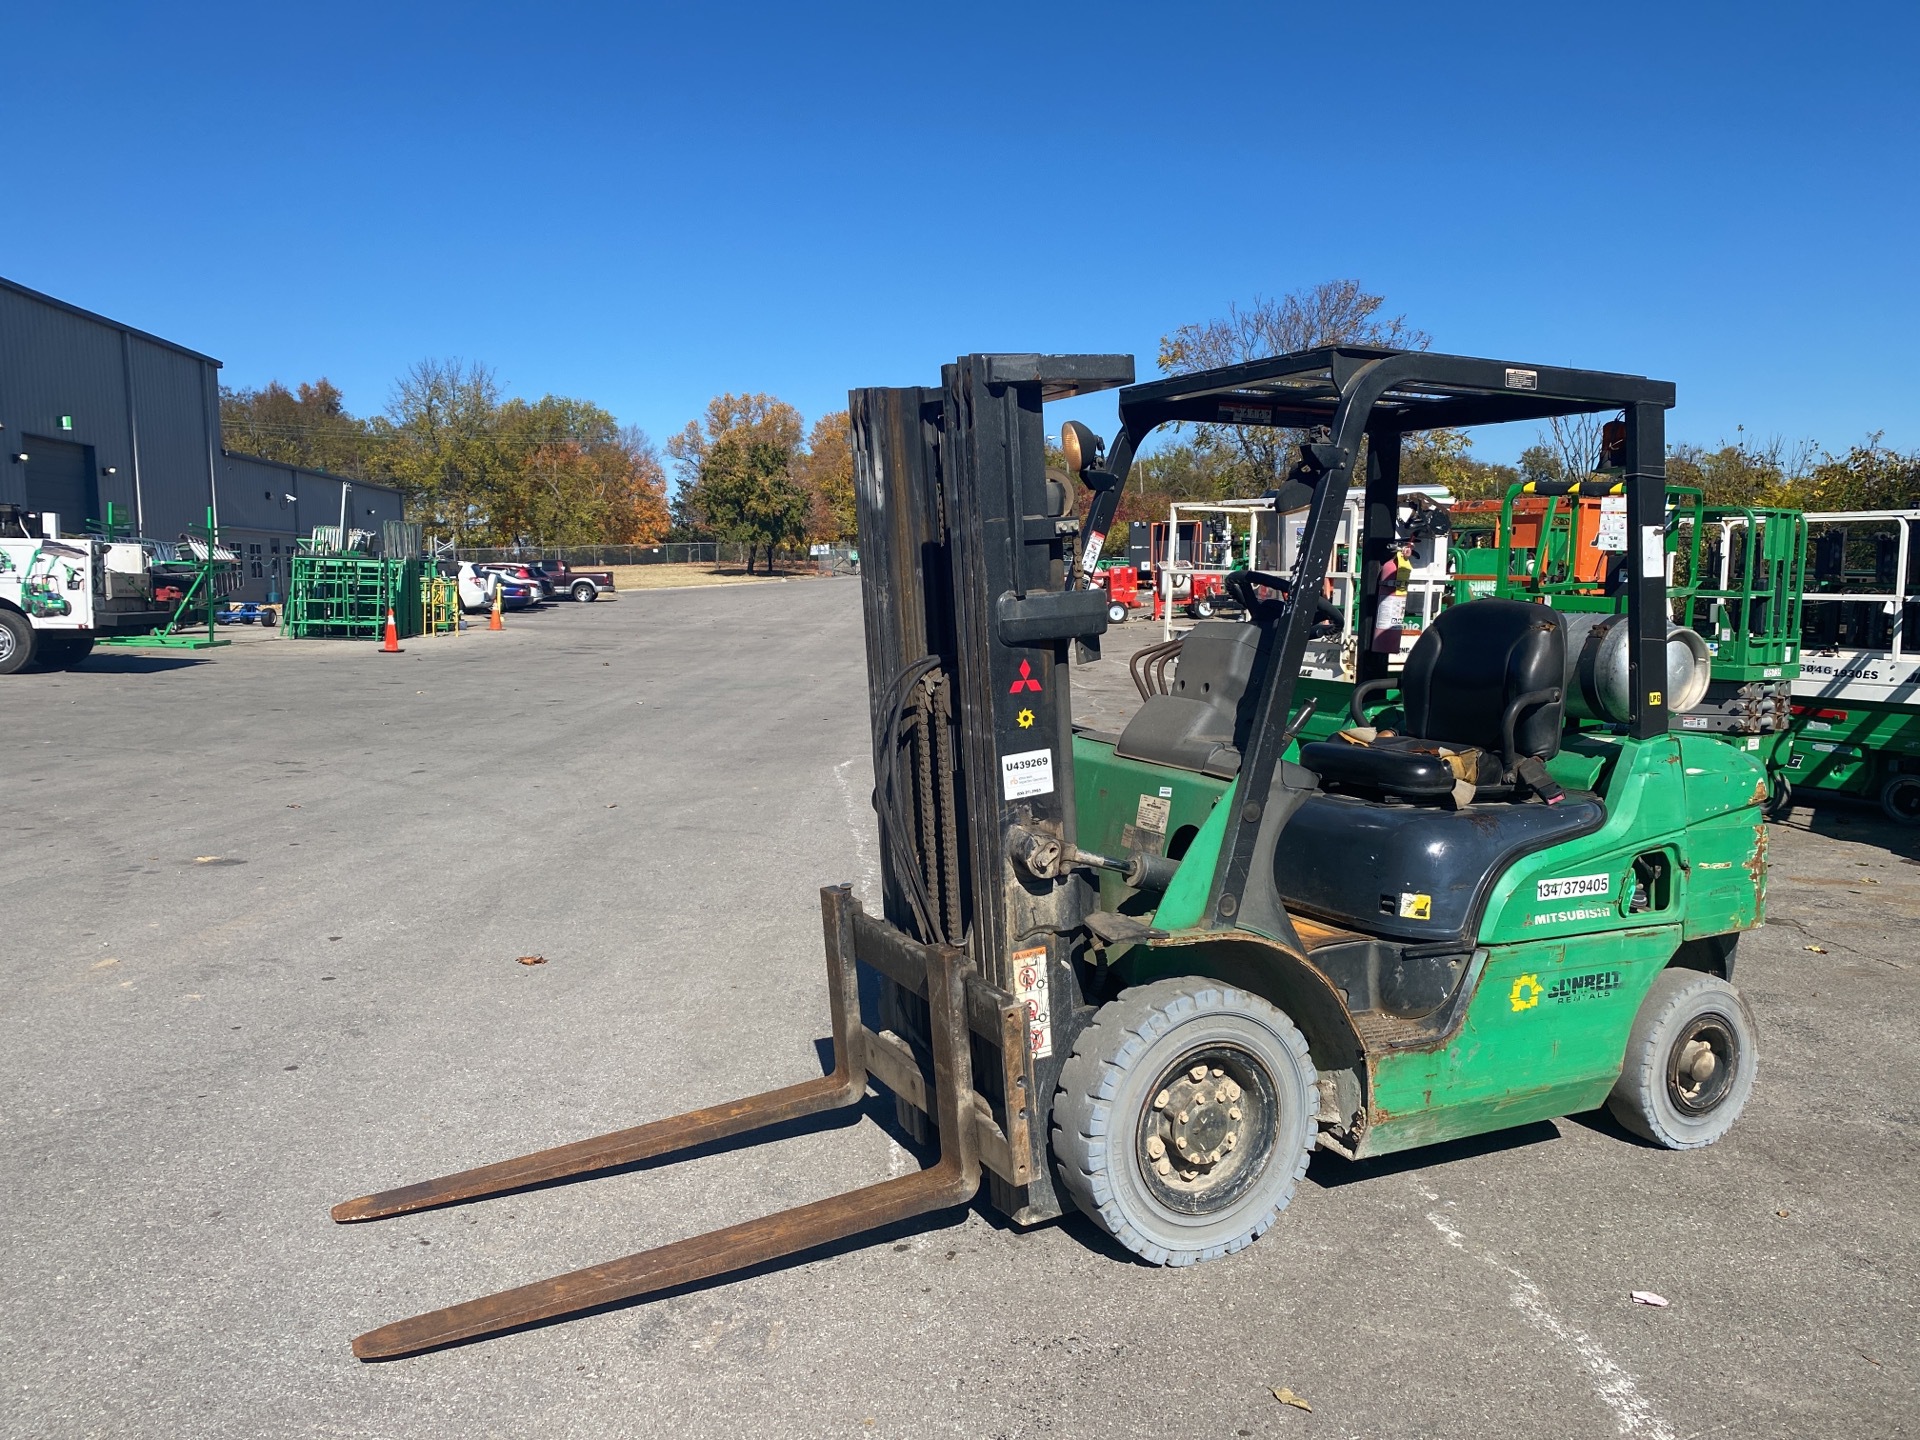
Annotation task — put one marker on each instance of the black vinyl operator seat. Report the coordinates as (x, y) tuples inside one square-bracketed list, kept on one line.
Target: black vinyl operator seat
[(1484, 681)]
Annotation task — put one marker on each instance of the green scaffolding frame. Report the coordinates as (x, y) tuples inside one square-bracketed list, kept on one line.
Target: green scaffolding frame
[(347, 596)]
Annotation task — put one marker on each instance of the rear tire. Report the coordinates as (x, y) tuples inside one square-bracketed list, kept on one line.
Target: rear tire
[(1206, 1170), (16, 642), (585, 593), (1202, 609), (1690, 1062), (1117, 613), (1900, 798)]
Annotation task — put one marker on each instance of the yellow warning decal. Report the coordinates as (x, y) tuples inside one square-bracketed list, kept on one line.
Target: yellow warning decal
[(1526, 992), (1025, 719), (1416, 907)]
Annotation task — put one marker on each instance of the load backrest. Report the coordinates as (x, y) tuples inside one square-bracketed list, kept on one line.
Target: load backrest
[(1476, 659)]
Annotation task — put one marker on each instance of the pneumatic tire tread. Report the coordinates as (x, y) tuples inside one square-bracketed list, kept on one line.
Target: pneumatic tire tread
[(1119, 1052)]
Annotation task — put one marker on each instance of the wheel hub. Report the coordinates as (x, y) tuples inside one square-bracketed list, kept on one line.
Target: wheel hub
[(1700, 1069), (1204, 1135), (1200, 1120)]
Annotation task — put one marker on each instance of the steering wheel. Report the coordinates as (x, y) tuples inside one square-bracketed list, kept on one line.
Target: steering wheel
[(1240, 584)]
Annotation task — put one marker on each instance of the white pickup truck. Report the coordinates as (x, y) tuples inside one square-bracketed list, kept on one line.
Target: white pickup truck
[(58, 594)]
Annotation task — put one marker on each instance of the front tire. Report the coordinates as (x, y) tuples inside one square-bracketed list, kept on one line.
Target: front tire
[(16, 642), (1203, 609), (1116, 613), (1690, 1062), (585, 593), (1900, 798), (1185, 1118)]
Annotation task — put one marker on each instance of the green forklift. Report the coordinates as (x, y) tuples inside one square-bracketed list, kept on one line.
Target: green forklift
[(1147, 975)]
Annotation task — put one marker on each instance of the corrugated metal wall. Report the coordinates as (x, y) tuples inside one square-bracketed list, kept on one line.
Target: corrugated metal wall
[(149, 412), (57, 362), (263, 525)]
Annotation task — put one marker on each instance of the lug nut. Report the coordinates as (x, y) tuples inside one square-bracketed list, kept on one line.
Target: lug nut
[(1156, 1147), (1163, 1167), (1182, 1117), (1218, 1072), (1160, 1100), (1233, 1113), (1199, 1072), (1201, 1098), (1233, 1139)]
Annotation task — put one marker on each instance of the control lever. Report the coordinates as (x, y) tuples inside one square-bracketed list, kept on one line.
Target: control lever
[(1298, 723)]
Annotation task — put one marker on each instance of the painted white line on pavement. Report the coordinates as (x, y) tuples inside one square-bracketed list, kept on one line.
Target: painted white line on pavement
[(1632, 1412)]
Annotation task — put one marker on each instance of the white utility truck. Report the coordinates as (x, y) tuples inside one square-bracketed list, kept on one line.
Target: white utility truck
[(58, 594)]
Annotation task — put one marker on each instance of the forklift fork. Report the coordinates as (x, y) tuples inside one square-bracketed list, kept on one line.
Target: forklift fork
[(958, 1002)]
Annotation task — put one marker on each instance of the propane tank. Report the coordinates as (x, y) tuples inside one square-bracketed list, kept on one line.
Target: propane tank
[(1597, 667)]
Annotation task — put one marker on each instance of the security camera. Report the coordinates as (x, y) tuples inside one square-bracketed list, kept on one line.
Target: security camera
[(291, 499)]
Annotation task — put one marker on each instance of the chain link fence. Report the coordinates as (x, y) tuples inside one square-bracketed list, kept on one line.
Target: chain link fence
[(707, 552), (838, 559)]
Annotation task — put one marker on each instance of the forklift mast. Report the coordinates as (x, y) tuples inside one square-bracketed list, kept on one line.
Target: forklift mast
[(972, 592)]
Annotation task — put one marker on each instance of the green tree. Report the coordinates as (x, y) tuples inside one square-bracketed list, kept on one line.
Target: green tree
[(747, 492), (440, 442), (1870, 476)]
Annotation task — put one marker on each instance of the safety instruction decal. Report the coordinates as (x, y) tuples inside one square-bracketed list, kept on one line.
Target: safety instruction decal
[(1148, 832), (1415, 907), (1028, 773), (1030, 989)]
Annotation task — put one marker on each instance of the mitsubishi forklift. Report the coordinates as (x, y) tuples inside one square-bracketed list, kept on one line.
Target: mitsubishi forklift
[(1147, 975)]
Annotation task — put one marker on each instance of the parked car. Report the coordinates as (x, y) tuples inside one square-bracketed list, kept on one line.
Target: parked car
[(529, 574), (584, 585), (477, 585)]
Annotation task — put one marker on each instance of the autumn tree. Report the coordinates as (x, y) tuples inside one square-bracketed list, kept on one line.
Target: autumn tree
[(826, 471), (571, 475), (308, 426), (1334, 312)]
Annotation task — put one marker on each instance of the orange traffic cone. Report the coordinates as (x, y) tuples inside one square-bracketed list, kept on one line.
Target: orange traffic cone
[(493, 620), (391, 645)]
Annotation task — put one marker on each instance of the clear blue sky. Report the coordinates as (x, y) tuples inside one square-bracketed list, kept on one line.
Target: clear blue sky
[(646, 206)]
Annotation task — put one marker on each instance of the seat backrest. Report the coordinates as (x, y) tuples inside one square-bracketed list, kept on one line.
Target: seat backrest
[(1193, 726), (1472, 662)]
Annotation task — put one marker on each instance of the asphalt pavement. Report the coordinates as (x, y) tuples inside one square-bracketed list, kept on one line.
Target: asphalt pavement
[(264, 911)]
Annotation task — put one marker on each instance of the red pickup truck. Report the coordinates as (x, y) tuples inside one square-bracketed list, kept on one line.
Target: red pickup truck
[(583, 585)]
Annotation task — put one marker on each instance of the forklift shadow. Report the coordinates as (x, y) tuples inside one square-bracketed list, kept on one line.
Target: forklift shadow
[(1331, 1172)]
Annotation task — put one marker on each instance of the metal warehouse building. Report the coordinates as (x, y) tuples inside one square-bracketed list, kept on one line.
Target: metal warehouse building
[(95, 413)]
